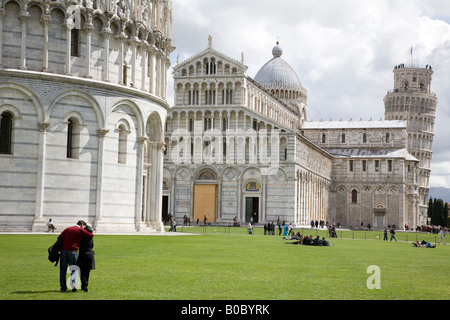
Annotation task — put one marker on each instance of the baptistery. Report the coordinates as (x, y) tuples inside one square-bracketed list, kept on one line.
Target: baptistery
[(83, 102)]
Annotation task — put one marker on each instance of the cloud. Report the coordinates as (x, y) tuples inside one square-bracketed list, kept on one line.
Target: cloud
[(343, 51)]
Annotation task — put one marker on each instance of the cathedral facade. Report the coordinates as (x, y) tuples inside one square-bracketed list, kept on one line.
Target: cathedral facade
[(232, 148), (82, 105), (243, 149)]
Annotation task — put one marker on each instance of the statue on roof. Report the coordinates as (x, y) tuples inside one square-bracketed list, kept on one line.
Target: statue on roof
[(210, 42)]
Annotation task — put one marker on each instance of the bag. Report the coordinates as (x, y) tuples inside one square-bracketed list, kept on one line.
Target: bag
[(54, 252)]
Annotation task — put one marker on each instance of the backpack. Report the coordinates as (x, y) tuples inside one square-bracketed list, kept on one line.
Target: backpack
[(54, 252)]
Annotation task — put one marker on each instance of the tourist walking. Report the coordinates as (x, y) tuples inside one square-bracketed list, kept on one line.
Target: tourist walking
[(442, 235), (249, 228), (393, 234)]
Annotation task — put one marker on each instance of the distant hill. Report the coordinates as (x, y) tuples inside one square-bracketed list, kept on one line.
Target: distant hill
[(440, 193)]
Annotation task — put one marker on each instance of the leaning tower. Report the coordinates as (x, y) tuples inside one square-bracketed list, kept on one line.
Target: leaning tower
[(412, 100)]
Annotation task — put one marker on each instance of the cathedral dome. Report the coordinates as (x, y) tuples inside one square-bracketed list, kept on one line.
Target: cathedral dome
[(277, 74)]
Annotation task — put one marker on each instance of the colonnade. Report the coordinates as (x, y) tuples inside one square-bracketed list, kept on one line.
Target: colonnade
[(144, 52), (312, 194)]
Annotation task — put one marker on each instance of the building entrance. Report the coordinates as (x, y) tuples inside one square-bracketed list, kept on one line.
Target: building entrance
[(252, 209), (205, 202), (165, 208), (380, 221)]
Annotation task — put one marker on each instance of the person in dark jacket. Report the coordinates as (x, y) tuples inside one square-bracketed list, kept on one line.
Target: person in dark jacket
[(86, 260)]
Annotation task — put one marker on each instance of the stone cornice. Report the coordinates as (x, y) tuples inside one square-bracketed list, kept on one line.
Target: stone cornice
[(83, 82)]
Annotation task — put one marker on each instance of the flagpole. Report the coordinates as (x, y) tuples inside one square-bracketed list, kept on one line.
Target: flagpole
[(411, 56)]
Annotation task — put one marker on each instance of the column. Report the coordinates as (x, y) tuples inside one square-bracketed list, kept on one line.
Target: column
[(122, 37), (142, 141), (23, 17), (219, 200), (2, 14), (152, 64), (160, 146), (39, 209), (172, 195), (162, 80), (101, 133), (106, 33), (165, 67), (144, 66), (68, 28), (88, 31), (216, 102), (155, 192), (157, 84), (239, 189), (45, 20), (151, 184), (232, 96), (264, 199), (145, 200)]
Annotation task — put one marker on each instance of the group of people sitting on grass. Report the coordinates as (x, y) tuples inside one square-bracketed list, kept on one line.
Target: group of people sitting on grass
[(423, 244), (308, 241)]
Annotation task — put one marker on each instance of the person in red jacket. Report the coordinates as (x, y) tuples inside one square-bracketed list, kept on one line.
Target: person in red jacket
[(71, 240)]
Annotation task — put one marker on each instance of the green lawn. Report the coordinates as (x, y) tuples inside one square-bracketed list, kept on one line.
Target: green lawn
[(231, 266)]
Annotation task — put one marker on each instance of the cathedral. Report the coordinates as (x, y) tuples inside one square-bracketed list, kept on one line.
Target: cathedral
[(242, 149), (82, 105)]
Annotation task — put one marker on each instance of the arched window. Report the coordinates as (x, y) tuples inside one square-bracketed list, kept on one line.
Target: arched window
[(355, 196), (5, 133), (75, 43), (73, 139), (122, 149)]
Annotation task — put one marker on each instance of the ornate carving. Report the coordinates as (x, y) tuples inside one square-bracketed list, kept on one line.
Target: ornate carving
[(102, 133), (43, 126)]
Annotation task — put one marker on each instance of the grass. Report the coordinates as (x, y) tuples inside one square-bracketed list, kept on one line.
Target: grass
[(231, 266)]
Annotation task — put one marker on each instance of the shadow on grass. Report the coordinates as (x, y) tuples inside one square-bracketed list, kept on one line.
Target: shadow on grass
[(35, 292)]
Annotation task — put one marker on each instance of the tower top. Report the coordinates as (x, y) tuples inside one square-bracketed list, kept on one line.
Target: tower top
[(413, 78), (412, 66)]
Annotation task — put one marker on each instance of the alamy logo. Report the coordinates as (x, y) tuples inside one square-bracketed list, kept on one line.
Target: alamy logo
[(74, 280), (374, 281), (235, 147)]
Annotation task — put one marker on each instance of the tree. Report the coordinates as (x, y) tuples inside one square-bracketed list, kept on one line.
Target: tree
[(437, 212), (445, 215)]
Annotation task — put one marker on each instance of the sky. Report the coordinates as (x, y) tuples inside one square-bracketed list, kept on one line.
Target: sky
[(344, 52)]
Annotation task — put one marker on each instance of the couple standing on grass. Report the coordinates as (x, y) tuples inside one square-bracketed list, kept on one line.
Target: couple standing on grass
[(74, 238)]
